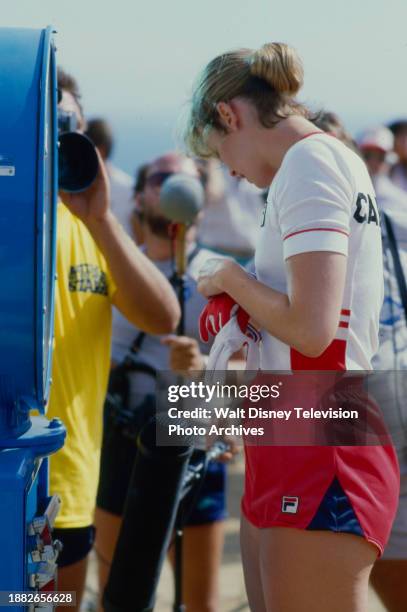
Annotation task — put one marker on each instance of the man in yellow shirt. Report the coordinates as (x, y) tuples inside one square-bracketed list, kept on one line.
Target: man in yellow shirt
[(98, 266)]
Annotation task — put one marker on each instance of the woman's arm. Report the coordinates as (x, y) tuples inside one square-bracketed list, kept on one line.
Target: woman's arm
[(307, 319)]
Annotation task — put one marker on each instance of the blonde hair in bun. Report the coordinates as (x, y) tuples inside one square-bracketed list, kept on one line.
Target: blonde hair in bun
[(280, 66), (269, 78)]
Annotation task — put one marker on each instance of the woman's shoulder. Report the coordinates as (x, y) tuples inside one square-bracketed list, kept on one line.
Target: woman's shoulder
[(320, 159), (324, 148)]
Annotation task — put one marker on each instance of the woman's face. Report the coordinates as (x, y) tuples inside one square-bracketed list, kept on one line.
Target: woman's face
[(238, 148)]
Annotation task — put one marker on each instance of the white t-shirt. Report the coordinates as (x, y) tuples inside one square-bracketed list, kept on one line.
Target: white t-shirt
[(121, 196), (322, 199)]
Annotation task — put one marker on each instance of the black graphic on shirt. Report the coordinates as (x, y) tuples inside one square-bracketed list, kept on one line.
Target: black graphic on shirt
[(366, 209), (88, 278)]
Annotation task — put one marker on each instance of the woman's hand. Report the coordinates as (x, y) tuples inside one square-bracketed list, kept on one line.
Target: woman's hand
[(212, 273), (217, 313)]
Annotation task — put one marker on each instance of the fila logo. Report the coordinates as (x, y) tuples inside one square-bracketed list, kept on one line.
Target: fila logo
[(289, 504)]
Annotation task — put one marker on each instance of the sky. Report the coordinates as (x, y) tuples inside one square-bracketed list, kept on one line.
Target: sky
[(136, 61)]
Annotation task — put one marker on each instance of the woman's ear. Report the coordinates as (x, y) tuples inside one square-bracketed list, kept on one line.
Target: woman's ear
[(228, 116)]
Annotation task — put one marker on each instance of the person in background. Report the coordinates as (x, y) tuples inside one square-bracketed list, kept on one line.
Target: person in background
[(137, 212), (231, 217), (376, 146), (388, 576), (98, 266), (121, 184), (204, 533), (330, 122), (398, 172)]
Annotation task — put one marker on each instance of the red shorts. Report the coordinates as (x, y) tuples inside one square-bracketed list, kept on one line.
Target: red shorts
[(285, 485)]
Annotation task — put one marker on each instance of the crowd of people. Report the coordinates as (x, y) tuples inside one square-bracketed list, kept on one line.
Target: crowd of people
[(315, 216)]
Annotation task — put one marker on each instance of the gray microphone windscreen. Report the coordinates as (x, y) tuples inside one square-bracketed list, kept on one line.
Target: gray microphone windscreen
[(181, 198)]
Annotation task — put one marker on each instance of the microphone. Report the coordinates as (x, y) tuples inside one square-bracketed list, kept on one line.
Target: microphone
[(181, 198)]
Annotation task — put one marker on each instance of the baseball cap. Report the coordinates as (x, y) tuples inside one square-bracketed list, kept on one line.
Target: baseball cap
[(379, 138)]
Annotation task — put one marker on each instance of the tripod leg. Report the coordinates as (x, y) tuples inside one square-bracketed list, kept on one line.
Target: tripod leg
[(178, 605)]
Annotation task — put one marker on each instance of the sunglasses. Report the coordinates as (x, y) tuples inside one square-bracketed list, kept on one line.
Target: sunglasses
[(157, 178)]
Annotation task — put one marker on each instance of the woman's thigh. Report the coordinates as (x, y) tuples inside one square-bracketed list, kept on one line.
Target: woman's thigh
[(250, 547), (294, 570), (314, 571)]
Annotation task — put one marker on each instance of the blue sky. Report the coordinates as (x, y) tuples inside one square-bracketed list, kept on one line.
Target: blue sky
[(135, 61)]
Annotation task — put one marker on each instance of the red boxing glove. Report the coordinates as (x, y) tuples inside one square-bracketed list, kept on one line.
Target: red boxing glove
[(218, 311)]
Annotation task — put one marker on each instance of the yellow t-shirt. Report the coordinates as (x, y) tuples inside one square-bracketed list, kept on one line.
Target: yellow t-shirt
[(80, 369)]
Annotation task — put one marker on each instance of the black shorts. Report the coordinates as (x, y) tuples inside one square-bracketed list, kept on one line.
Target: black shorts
[(77, 543), (117, 459)]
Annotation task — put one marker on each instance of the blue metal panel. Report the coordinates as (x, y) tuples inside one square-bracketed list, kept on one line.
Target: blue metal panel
[(28, 194), (46, 218), (17, 468), (28, 191)]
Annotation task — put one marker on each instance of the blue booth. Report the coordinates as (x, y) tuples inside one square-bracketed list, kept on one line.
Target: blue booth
[(28, 197)]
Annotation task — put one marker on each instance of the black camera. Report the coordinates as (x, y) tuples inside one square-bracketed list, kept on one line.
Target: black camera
[(67, 122), (78, 162)]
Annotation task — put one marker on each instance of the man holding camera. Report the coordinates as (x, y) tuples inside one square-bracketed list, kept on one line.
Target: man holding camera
[(98, 266), (138, 357)]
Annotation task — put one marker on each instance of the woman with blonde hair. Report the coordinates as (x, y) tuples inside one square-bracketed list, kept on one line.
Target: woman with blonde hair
[(317, 297)]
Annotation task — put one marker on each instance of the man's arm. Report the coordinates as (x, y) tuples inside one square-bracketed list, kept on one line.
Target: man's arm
[(143, 295)]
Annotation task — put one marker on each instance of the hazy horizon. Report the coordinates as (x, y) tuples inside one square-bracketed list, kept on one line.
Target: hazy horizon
[(135, 61)]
